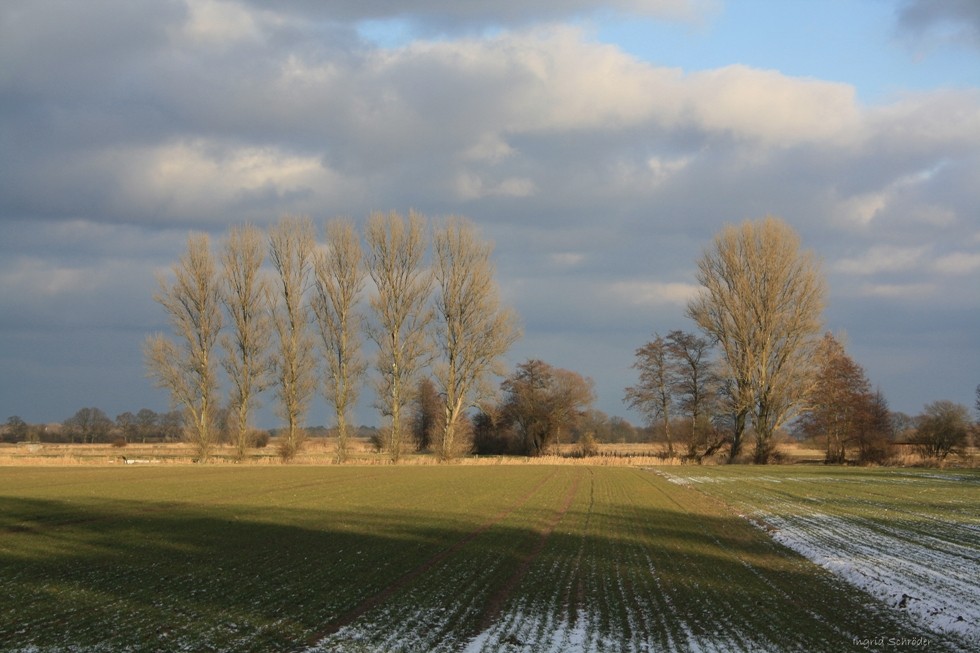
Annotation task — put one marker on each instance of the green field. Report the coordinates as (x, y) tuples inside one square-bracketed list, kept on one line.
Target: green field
[(458, 558)]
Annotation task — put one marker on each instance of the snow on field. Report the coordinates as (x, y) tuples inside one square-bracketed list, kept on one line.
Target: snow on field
[(935, 581), (580, 636), (931, 573)]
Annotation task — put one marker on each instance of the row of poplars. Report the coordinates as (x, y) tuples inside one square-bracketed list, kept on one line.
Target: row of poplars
[(301, 325)]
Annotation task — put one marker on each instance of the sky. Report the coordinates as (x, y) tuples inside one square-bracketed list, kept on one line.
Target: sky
[(599, 145)]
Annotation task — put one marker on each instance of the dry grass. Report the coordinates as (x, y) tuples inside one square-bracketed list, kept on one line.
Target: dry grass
[(321, 451)]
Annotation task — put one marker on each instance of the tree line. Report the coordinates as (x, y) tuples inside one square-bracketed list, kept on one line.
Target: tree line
[(282, 312), (303, 325), (760, 364), (91, 425)]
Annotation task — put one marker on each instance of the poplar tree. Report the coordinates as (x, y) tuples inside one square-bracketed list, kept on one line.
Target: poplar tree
[(291, 244), (401, 314), (186, 368), (247, 361), (473, 330), (339, 277)]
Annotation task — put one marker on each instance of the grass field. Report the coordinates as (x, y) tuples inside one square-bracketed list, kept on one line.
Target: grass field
[(472, 558)]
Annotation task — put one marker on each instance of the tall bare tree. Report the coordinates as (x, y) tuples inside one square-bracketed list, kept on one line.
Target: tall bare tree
[(473, 329), (247, 360), (187, 368), (401, 313), (291, 244), (761, 300), (339, 277)]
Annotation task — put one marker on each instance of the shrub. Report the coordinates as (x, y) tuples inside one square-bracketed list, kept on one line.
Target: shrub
[(587, 445)]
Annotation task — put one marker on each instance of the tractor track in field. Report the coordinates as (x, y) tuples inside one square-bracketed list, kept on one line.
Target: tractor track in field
[(499, 598), (406, 579)]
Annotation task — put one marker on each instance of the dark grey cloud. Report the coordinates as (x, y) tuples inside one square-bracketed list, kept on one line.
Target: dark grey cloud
[(944, 21), (448, 16)]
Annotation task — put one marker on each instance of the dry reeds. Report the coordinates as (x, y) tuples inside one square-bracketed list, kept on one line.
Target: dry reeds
[(322, 451)]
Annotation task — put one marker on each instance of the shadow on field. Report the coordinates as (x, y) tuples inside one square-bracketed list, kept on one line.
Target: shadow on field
[(164, 576)]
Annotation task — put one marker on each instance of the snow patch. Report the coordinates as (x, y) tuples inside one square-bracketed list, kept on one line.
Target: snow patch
[(936, 582)]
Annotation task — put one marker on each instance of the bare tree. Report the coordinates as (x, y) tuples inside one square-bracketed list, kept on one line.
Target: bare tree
[(148, 424), (17, 429), (291, 243), (88, 425), (653, 396), (877, 432), (339, 277), (697, 391), (128, 426), (761, 300), (473, 329), (942, 429), (187, 368), (247, 360), (401, 313)]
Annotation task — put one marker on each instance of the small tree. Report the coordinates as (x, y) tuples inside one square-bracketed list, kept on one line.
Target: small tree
[(427, 414), (697, 391), (147, 424), (541, 401), (839, 406), (88, 425), (17, 429), (128, 426), (876, 431), (653, 396), (942, 429)]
